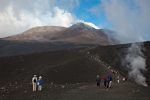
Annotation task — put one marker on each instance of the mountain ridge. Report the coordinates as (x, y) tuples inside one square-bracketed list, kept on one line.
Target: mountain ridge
[(78, 33)]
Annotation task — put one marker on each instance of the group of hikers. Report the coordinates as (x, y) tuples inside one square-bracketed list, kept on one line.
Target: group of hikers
[(37, 83), (107, 80)]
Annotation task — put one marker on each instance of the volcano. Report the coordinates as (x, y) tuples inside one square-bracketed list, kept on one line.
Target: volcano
[(68, 60), (50, 38), (79, 33)]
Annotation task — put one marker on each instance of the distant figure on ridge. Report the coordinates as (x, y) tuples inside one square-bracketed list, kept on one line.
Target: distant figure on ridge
[(40, 83), (118, 79), (98, 80), (34, 81), (123, 79)]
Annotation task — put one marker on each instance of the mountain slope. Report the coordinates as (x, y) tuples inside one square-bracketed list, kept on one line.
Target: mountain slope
[(79, 33), (43, 33)]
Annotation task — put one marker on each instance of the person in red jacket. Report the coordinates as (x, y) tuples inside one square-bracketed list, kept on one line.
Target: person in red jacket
[(105, 81)]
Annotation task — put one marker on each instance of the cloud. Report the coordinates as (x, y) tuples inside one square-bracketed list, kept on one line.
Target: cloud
[(90, 24), (96, 10), (11, 24), (20, 15), (129, 17), (68, 4), (93, 25), (42, 5)]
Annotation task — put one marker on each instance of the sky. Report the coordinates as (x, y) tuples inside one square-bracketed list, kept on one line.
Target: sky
[(129, 18)]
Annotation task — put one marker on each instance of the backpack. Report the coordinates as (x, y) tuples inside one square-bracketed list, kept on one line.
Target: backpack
[(34, 80)]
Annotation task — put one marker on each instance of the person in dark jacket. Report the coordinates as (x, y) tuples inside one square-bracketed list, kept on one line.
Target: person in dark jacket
[(40, 83), (109, 80)]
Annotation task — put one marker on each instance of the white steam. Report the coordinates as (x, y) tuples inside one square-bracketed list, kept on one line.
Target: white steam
[(130, 18), (136, 63)]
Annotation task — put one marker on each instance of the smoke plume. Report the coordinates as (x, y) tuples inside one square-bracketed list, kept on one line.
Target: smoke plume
[(130, 18), (136, 63)]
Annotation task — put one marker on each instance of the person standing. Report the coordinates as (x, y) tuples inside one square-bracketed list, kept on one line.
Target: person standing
[(123, 79), (40, 83), (98, 80), (34, 82), (118, 79), (109, 80), (105, 81)]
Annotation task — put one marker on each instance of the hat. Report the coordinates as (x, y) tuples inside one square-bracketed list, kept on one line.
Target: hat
[(97, 76), (40, 77)]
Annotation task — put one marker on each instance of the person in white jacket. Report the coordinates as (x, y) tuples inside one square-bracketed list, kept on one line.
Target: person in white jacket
[(34, 82)]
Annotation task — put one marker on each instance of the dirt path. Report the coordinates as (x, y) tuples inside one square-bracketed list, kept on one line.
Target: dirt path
[(82, 91), (125, 91)]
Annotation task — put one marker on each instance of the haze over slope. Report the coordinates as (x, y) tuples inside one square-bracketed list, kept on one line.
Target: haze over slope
[(79, 33)]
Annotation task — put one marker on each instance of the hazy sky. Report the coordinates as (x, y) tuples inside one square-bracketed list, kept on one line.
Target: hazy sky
[(131, 18)]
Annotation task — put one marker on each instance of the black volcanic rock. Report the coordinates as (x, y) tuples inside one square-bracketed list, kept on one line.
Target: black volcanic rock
[(114, 55), (61, 65)]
